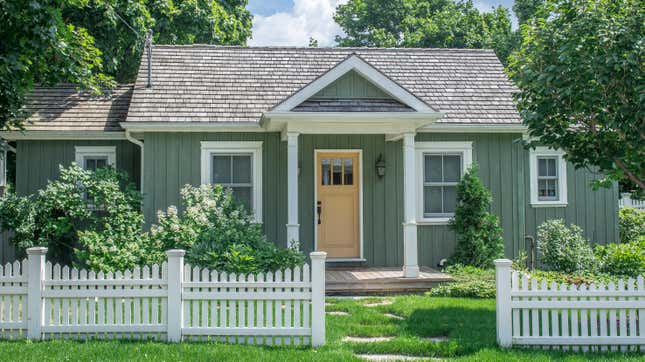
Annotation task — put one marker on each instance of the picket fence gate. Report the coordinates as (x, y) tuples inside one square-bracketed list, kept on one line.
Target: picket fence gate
[(172, 302), (597, 317)]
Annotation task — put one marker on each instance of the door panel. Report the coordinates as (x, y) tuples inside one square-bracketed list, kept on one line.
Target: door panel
[(338, 228)]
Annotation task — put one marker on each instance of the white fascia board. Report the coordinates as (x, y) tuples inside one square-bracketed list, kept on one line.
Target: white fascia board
[(354, 62), (192, 126), (66, 135), (474, 128)]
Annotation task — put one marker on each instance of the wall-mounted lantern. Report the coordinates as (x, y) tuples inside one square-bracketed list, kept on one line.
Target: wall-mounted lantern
[(380, 166)]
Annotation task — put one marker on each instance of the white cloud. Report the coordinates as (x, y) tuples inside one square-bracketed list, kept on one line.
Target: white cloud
[(308, 18)]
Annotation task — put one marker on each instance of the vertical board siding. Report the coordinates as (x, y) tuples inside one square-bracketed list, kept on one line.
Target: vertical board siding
[(38, 162), (351, 85)]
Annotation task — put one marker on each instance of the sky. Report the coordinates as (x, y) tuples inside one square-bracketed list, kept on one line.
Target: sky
[(293, 22)]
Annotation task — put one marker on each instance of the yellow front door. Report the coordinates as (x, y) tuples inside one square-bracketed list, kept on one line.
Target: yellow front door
[(337, 204)]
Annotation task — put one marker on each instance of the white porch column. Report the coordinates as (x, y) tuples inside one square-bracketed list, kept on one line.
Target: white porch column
[(410, 258), (293, 228)]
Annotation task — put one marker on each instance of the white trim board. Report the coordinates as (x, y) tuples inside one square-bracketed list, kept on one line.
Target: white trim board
[(58, 135), (421, 148), (355, 63), (231, 147), (97, 151), (561, 173), (360, 195)]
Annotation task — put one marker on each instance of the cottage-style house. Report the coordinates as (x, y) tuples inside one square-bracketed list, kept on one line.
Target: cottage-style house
[(355, 152)]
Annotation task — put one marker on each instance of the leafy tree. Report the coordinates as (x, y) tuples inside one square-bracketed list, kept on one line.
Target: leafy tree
[(424, 24), (39, 46), (479, 236), (91, 219), (525, 10), (580, 73)]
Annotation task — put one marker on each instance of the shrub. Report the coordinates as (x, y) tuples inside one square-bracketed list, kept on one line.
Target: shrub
[(631, 223), (219, 233), (563, 248), (479, 236), (622, 259), (89, 219), (472, 289)]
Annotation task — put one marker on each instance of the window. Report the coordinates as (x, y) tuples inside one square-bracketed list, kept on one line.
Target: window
[(440, 165), (92, 157), (548, 178), (238, 166)]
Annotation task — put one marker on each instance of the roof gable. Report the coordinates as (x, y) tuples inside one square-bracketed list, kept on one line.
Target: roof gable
[(373, 76), (351, 85)]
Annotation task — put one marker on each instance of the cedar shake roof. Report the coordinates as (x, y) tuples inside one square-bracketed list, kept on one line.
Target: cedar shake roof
[(64, 108), (209, 83)]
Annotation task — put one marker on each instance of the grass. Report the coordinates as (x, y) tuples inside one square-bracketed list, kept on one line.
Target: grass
[(469, 325)]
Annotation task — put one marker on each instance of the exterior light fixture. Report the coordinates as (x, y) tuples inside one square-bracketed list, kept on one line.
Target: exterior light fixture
[(380, 166)]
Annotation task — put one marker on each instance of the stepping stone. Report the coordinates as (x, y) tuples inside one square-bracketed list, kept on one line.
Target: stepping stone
[(379, 303), (337, 312), (367, 339), (436, 339), (393, 357), (393, 316)]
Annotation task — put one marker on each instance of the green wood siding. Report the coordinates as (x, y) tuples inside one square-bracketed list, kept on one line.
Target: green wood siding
[(351, 85), (37, 162)]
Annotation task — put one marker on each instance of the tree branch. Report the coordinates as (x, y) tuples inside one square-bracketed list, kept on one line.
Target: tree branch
[(629, 174)]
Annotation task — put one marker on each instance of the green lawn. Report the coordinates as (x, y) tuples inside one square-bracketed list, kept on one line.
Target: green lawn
[(468, 324)]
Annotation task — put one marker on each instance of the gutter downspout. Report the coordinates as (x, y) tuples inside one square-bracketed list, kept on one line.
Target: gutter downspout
[(139, 143)]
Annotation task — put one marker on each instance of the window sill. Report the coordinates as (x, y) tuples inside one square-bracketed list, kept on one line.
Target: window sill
[(549, 204), (434, 221)]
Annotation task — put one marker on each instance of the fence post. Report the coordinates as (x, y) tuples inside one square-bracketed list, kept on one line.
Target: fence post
[(318, 298), (175, 279), (35, 307), (627, 199), (503, 302)]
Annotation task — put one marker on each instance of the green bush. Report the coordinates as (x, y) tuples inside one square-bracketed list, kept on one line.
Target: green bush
[(631, 224), (219, 233), (622, 259), (472, 289), (479, 236), (88, 219), (563, 248)]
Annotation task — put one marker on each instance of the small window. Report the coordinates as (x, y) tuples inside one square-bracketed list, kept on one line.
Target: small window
[(442, 172), (548, 178), (337, 171), (93, 158), (238, 166)]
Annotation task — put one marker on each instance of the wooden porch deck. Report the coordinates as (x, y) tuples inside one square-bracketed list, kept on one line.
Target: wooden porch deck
[(379, 280)]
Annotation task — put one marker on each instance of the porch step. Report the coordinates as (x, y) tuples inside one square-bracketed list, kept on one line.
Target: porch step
[(345, 264), (373, 280)]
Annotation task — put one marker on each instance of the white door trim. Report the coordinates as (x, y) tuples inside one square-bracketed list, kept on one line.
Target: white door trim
[(360, 199)]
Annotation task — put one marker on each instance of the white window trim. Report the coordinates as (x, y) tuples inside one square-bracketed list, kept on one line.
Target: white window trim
[(562, 177), (95, 151), (465, 148), (231, 147)]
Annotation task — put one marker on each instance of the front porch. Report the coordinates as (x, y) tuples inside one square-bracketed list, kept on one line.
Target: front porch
[(380, 280)]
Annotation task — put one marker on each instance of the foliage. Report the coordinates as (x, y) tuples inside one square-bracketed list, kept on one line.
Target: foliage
[(576, 278), (563, 248), (526, 10), (631, 224), (479, 236), (580, 74), (622, 259), (220, 234), (90, 219), (473, 289), (424, 24), (39, 46)]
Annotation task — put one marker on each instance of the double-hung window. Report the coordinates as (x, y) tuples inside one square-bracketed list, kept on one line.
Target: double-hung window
[(548, 174), (440, 166), (238, 166), (94, 157)]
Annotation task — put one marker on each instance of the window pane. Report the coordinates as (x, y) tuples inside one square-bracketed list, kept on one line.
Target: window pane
[(102, 163), (542, 188), (432, 199), (326, 170), (242, 169), (449, 199), (551, 188), (243, 196), (451, 168), (348, 165), (551, 167), (221, 169), (541, 166), (95, 162), (432, 168), (337, 172)]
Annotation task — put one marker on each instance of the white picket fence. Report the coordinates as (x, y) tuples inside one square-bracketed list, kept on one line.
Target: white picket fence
[(171, 302), (627, 201), (570, 317)]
